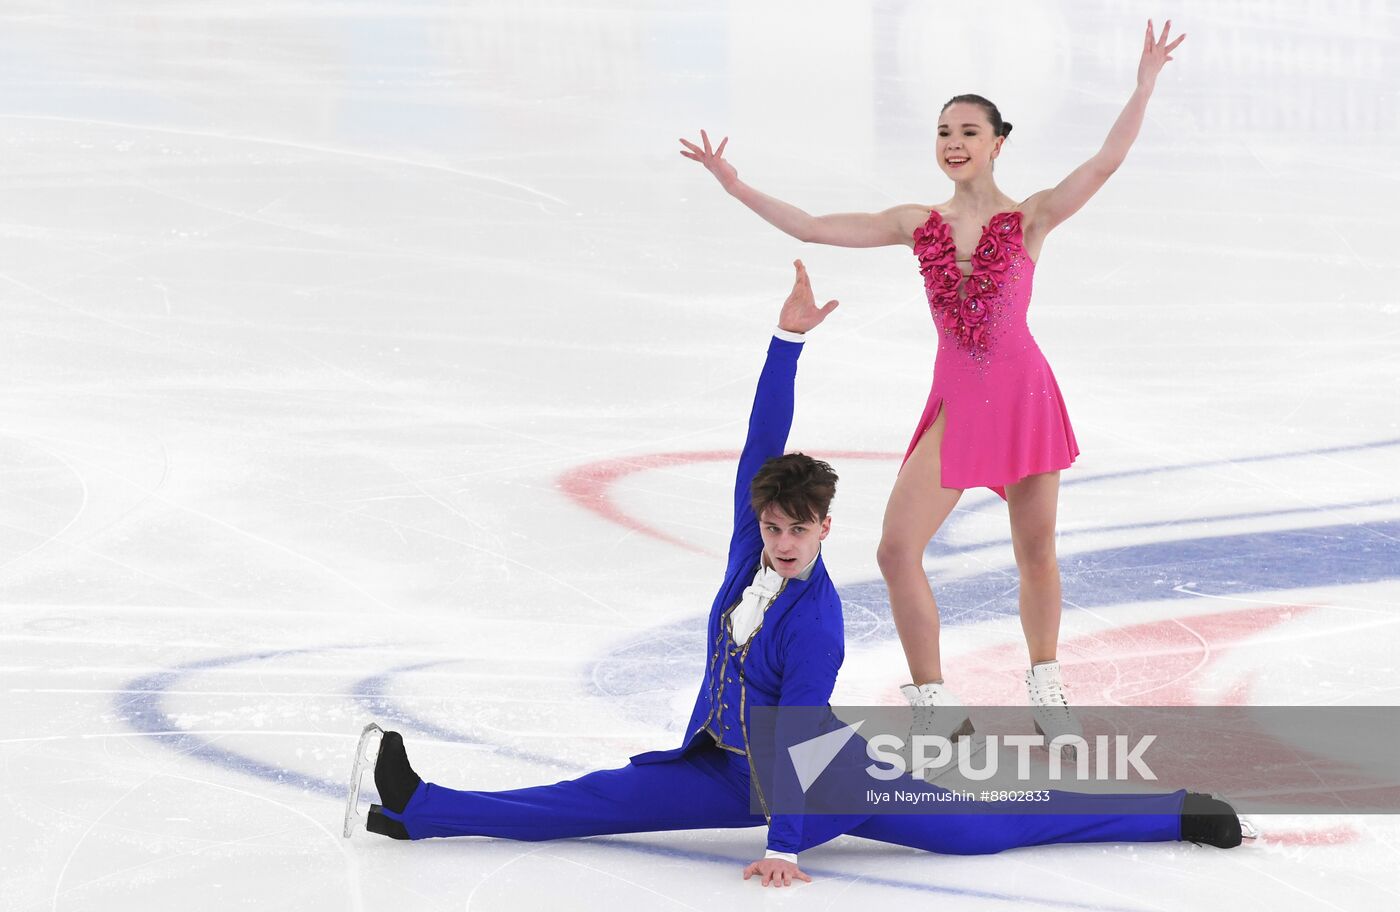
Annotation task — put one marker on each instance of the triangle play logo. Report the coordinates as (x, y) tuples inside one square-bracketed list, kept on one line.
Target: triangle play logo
[(811, 758)]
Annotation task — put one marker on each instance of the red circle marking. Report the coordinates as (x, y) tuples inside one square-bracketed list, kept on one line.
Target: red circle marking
[(590, 485)]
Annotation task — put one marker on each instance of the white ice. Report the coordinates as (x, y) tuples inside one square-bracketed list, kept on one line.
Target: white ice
[(324, 325)]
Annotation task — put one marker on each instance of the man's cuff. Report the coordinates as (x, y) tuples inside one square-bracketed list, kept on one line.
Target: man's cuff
[(787, 336), (784, 856)]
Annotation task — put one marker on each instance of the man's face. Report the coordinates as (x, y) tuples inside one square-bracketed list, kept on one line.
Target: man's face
[(789, 545)]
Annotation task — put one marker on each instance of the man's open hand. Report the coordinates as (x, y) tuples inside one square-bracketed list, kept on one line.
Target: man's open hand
[(800, 310), (774, 871)]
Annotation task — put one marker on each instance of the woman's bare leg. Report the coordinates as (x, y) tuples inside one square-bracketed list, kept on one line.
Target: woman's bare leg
[(917, 507), (1032, 502)]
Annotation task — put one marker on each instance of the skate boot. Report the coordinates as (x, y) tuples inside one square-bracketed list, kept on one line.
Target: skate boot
[(1207, 819), (1049, 708), (393, 777), (937, 711)]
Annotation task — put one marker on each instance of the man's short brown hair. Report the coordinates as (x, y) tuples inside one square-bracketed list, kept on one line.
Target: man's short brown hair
[(797, 484)]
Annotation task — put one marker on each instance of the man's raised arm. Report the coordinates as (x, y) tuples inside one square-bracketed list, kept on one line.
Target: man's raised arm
[(771, 418)]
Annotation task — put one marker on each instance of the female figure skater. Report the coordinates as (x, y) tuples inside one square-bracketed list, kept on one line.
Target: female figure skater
[(994, 416)]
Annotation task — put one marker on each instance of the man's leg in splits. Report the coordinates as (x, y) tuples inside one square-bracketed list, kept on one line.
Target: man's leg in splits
[(1066, 817), (698, 790)]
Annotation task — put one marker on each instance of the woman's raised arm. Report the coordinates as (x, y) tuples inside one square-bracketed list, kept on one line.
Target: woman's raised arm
[(846, 229), (1058, 203)]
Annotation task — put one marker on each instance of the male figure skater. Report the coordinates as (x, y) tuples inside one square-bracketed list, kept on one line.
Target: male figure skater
[(775, 638)]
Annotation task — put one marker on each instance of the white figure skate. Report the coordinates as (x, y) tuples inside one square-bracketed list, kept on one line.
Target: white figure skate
[(937, 711), (1049, 707)]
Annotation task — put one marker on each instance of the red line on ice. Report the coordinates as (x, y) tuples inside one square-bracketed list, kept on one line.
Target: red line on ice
[(591, 485)]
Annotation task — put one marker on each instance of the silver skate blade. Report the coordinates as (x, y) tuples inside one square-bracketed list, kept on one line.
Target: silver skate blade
[(1248, 831), (1068, 752), (363, 761), (976, 747), (964, 730)]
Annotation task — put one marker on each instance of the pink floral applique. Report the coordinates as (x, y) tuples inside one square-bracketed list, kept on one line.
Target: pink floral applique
[(966, 319)]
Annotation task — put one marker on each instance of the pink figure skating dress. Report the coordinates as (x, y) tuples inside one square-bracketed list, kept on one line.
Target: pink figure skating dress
[(1006, 418)]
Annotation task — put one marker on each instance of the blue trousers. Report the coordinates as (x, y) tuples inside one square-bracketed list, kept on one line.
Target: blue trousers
[(708, 788)]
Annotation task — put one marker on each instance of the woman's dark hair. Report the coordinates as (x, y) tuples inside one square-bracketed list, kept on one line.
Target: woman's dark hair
[(797, 484), (999, 126)]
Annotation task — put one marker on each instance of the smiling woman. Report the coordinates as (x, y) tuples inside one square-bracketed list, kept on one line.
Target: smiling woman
[(994, 416), (961, 143)]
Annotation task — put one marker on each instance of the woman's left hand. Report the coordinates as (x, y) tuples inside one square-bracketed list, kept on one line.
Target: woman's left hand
[(1155, 53)]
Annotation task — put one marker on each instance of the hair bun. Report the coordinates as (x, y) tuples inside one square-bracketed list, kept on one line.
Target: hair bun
[(1006, 128)]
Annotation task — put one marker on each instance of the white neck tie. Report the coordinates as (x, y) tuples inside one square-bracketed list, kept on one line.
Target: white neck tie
[(745, 618)]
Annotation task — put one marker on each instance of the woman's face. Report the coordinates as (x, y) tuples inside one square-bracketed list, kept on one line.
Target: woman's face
[(965, 141)]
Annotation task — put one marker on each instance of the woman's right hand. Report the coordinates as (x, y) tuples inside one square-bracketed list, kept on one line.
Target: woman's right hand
[(713, 160), (851, 229)]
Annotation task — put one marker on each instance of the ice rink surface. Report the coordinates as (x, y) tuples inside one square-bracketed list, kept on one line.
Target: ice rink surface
[(383, 360)]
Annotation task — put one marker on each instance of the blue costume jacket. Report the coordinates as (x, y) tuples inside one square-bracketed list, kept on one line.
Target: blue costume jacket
[(793, 657)]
